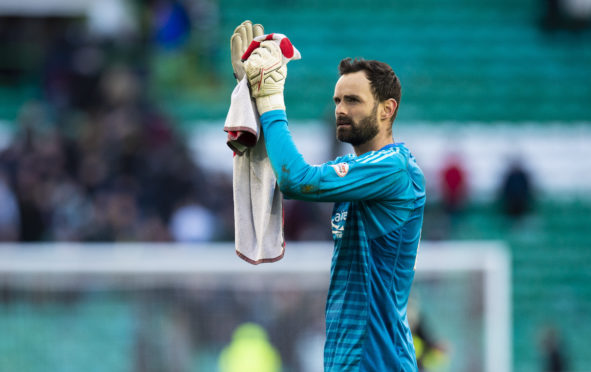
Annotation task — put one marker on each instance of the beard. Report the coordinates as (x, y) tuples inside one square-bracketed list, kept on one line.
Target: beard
[(358, 133)]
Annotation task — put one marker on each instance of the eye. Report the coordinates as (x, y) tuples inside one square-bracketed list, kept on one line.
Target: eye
[(336, 101)]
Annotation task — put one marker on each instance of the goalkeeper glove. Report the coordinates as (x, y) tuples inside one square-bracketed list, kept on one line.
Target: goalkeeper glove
[(239, 42), (266, 74)]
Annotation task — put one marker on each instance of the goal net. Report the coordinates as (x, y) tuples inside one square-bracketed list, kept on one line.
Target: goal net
[(138, 307)]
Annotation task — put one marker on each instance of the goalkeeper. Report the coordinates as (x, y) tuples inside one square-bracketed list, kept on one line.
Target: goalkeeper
[(379, 195)]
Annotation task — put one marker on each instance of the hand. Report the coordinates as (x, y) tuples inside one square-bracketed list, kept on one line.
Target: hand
[(266, 74), (239, 42)]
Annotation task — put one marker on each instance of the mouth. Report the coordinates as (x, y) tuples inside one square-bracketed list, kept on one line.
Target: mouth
[(343, 122)]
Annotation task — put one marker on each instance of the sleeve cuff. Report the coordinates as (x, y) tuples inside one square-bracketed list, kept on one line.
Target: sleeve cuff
[(274, 115)]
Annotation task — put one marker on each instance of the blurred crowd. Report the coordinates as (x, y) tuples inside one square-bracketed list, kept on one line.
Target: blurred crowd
[(92, 158), (116, 171)]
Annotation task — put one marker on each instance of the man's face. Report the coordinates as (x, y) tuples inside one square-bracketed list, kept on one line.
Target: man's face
[(355, 109)]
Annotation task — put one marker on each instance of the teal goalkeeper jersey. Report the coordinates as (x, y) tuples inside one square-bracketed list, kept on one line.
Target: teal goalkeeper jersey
[(376, 225)]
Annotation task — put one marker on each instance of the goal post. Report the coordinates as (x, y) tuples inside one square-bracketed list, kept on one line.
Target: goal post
[(491, 258), (464, 287)]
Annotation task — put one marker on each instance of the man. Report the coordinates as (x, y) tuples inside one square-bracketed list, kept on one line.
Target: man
[(376, 223)]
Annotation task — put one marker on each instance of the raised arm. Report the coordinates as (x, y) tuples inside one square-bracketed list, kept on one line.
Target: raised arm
[(376, 175)]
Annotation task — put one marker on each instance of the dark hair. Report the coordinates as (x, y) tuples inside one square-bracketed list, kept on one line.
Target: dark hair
[(382, 79)]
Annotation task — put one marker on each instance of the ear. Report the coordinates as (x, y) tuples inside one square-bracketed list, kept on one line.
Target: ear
[(388, 109)]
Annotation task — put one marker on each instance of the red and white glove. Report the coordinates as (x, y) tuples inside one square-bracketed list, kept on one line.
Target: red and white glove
[(266, 69)]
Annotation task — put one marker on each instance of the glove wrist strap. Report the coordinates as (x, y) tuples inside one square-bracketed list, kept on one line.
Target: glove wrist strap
[(269, 103)]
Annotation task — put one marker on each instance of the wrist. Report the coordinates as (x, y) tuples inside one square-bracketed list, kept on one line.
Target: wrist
[(270, 103)]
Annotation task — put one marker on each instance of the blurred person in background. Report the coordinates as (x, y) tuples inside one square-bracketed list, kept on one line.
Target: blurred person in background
[(516, 192), (9, 213), (572, 15), (431, 353), (454, 189), (192, 222), (249, 351), (303, 221), (34, 164), (554, 357)]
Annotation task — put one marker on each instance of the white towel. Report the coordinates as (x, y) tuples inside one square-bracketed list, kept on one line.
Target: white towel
[(258, 203), (242, 122)]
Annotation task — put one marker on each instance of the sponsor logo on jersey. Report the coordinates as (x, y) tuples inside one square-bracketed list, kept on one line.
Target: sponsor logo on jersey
[(341, 169), (338, 224)]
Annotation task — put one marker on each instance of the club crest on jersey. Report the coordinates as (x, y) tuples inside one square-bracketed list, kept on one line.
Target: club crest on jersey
[(341, 169)]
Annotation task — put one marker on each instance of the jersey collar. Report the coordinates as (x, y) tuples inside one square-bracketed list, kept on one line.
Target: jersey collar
[(390, 145)]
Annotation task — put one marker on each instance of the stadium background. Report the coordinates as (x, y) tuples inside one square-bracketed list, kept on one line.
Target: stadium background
[(111, 118)]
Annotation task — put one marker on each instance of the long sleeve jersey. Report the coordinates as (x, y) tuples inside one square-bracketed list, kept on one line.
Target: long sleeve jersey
[(376, 226)]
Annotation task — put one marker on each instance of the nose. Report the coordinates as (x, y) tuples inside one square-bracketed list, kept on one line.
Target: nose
[(339, 110)]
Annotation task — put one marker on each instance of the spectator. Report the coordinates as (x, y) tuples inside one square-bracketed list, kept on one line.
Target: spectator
[(9, 213), (516, 191), (304, 220), (250, 351), (431, 353), (553, 352), (453, 185), (191, 222)]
